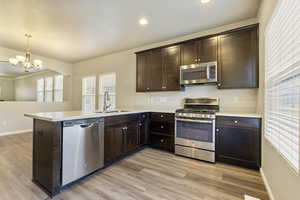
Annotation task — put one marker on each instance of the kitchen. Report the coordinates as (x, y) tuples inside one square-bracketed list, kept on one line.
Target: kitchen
[(188, 112)]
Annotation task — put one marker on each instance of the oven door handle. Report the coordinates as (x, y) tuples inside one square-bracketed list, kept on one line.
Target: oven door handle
[(193, 120)]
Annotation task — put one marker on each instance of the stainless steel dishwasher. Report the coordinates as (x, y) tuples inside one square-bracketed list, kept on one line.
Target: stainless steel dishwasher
[(83, 148)]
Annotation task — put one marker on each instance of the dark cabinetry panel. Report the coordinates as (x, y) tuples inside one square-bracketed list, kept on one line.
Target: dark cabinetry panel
[(124, 134), (162, 131), (238, 59), (238, 141), (156, 70), (47, 155), (207, 50), (189, 53), (143, 72), (171, 66)]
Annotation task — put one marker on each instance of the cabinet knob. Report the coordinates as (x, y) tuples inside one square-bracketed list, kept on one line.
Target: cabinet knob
[(163, 87), (219, 84), (162, 116), (148, 88), (235, 122), (161, 126), (217, 130), (140, 124), (162, 140), (199, 60)]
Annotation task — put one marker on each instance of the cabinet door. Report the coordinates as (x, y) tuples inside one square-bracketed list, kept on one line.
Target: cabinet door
[(171, 66), (207, 50), (131, 136), (238, 60), (189, 53), (114, 143), (143, 72), (143, 133), (238, 146), (156, 76)]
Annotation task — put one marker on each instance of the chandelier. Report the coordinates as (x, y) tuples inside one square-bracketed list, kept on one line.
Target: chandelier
[(25, 61)]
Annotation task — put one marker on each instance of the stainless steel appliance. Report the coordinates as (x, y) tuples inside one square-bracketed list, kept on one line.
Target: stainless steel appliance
[(199, 73), (195, 128), (83, 148)]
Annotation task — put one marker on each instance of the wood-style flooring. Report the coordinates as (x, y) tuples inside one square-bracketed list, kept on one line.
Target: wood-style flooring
[(146, 175)]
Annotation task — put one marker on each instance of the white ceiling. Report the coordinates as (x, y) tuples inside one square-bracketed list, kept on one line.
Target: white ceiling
[(73, 30)]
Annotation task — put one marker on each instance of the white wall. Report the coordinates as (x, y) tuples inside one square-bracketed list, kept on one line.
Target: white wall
[(281, 178), (124, 64), (12, 118), (6, 89)]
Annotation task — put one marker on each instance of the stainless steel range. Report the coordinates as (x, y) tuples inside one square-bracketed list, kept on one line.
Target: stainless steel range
[(195, 128)]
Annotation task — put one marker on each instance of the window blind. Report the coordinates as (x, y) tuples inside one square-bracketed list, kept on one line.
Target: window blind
[(58, 88), (40, 90), (48, 89), (282, 81), (88, 93)]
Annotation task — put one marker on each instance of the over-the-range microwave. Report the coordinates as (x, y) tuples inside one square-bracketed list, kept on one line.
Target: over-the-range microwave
[(199, 73)]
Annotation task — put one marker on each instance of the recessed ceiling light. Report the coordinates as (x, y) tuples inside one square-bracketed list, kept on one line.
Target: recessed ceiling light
[(205, 1), (143, 22)]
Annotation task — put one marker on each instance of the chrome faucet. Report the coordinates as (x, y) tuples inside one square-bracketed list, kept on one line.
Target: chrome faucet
[(106, 105)]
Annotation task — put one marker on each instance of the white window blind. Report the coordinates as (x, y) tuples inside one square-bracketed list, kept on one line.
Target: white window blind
[(107, 82), (282, 98), (40, 90), (58, 88), (48, 89), (88, 93)]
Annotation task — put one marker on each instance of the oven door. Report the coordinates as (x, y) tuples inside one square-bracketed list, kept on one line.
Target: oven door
[(195, 133)]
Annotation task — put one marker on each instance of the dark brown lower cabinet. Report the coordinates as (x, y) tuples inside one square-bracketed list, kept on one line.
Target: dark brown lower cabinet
[(46, 161), (162, 131), (238, 141), (124, 134)]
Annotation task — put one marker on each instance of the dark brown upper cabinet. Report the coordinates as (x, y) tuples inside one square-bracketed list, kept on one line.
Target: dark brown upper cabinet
[(199, 51), (158, 70), (238, 59), (236, 52), (171, 66), (143, 72)]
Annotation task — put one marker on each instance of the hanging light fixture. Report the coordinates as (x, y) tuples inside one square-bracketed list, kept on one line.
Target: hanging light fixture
[(25, 61)]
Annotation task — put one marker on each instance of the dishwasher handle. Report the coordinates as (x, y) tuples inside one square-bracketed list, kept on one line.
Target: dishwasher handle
[(88, 125)]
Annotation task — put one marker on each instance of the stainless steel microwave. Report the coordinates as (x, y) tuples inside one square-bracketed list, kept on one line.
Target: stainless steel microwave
[(199, 73)]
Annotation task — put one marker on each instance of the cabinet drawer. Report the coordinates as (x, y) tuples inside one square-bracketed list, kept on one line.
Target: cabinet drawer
[(170, 117), (162, 142), (241, 122), (122, 119), (162, 127)]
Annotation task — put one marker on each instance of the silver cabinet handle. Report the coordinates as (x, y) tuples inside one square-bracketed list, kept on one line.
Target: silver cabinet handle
[(235, 122), (162, 140), (217, 130), (163, 87), (162, 116), (196, 121), (219, 84), (161, 126)]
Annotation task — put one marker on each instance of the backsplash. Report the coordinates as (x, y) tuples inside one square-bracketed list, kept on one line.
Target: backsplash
[(236, 100)]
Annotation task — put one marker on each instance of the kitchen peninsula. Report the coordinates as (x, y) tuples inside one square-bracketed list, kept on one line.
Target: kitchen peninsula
[(68, 146)]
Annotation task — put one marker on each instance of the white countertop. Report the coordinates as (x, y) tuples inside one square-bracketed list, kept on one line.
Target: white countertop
[(73, 115), (238, 114)]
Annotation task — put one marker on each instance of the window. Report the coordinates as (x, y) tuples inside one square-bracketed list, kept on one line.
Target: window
[(282, 94), (58, 88), (107, 82), (40, 90), (48, 89), (88, 93)]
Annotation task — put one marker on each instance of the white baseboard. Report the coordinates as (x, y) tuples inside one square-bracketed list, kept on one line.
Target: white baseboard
[(267, 184), (16, 132)]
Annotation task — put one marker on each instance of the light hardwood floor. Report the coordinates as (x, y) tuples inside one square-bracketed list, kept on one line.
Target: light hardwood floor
[(147, 175)]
